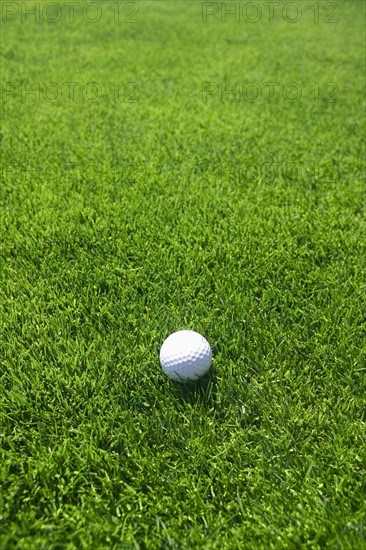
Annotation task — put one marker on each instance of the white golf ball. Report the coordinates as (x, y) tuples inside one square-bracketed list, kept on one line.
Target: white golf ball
[(185, 356)]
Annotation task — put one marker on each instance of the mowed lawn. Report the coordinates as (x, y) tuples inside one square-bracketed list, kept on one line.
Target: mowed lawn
[(169, 165)]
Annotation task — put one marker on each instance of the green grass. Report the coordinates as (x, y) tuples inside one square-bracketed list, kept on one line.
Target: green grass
[(122, 221)]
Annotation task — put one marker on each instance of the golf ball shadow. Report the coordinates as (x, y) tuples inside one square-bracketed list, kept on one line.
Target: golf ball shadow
[(202, 390)]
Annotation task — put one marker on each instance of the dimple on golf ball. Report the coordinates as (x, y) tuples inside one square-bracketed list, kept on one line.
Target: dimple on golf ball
[(185, 356)]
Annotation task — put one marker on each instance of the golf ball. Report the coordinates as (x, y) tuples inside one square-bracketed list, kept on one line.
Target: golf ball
[(185, 356)]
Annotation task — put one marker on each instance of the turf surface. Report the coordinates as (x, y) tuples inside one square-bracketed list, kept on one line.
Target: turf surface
[(140, 196)]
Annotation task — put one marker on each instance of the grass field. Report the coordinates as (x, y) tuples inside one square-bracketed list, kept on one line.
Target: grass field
[(170, 165)]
